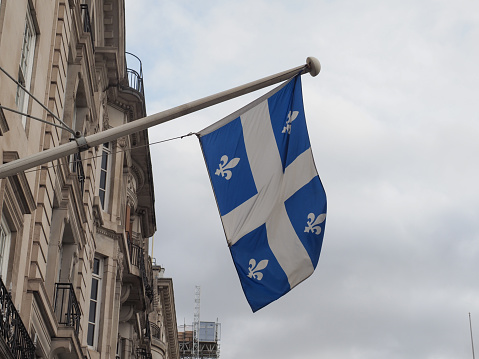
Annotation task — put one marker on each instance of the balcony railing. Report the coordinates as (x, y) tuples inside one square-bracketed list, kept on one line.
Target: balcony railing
[(137, 258), (155, 331), (12, 329), (66, 306), (147, 280), (147, 330), (142, 353), (77, 167), (135, 76), (86, 23), (135, 252)]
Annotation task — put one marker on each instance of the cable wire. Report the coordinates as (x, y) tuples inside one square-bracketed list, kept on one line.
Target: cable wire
[(115, 152)]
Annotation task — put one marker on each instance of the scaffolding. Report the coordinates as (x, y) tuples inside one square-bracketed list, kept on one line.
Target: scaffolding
[(201, 339), (209, 335)]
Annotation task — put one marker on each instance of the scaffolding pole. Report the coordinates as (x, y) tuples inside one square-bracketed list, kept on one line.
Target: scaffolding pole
[(196, 324)]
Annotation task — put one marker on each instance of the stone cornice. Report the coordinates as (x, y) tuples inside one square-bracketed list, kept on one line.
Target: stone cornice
[(165, 291), (108, 233), (139, 174)]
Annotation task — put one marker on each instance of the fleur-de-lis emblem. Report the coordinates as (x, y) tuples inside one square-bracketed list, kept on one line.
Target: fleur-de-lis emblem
[(224, 170), (254, 270), (291, 117), (313, 223)]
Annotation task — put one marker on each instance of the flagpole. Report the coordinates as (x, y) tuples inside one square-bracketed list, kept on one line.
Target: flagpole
[(312, 67)]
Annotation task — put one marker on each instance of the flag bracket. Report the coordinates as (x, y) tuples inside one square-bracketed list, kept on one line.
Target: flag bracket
[(82, 143)]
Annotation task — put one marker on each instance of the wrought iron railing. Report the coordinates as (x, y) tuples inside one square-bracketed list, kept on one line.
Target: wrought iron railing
[(66, 306), (147, 281), (147, 329), (155, 331), (77, 167), (137, 258), (142, 353), (12, 329), (86, 23), (135, 252), (135, 76)]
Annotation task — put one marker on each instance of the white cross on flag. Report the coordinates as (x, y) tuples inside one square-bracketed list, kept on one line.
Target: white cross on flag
[(269, 195)]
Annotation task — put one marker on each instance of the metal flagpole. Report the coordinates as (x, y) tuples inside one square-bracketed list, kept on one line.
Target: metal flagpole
[(472, 341), (312, 66)]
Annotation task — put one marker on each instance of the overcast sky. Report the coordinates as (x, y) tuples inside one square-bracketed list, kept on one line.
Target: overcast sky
[(393, 119)]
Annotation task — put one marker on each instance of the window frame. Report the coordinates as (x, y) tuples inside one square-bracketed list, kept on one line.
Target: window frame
[(25, 67), (5, 242), (98, 302), (105, 174)]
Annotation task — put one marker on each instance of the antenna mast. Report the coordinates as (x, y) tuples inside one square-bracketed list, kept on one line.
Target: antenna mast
[(472, 341)]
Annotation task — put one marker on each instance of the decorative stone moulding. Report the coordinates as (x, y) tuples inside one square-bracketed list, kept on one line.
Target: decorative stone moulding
[(131, 190)]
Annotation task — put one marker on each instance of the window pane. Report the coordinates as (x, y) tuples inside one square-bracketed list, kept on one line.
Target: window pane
[(26, 63), (92, 315), (103, 180), (91, 332), (4, 247), (96, 266), (3, 238), (102, 198), (104, 160), (94, 289)]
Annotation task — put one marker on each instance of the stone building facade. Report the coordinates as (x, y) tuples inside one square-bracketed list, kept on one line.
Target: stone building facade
[(76, 278)]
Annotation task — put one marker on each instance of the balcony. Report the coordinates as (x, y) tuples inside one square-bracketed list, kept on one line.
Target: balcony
[(142, 353), (12, 329), (155, 331), (67, 309), (137, 257), (135, 252), (77, 167), (86, 23), (147, 330), (134, 71)]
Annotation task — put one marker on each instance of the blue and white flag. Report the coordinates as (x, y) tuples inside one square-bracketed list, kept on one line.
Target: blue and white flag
[(269, 195)]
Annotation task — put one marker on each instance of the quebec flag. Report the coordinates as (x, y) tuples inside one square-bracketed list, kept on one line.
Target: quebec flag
[(270, 198)]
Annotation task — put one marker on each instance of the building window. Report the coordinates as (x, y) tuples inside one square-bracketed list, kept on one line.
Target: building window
[(26, 64), (119, 347), (104, 175), (5, 239), (71, 158), (95, 303)]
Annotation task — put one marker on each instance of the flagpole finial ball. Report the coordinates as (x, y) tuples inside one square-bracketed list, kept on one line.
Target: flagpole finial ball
[(314, 65)]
